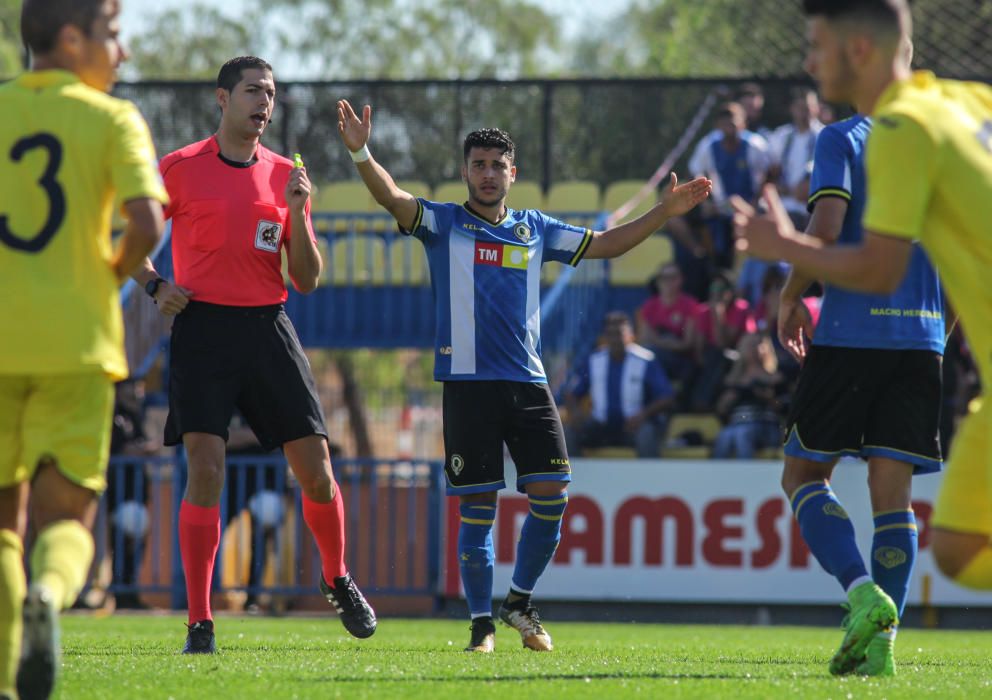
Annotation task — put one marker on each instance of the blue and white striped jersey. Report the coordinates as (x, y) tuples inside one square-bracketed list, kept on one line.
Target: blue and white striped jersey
[(486, 280)]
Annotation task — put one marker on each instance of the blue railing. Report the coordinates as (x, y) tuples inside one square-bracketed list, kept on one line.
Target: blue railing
[(393, 508)]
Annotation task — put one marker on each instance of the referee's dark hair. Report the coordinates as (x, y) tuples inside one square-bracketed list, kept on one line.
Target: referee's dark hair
[(888, 18), (230, 73), (490, 138), (42, 20)]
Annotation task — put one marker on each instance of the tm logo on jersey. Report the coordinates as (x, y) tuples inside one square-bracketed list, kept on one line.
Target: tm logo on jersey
[(501, 255)]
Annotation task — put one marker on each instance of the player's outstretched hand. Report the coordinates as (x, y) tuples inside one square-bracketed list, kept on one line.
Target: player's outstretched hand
[(795, 327), (761, 235), (679, 199), (171, 299), (354, 131)]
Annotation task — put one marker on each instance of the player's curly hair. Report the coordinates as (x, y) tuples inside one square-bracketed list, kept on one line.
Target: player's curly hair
[(42, 20), (490, 138), (230, 73)]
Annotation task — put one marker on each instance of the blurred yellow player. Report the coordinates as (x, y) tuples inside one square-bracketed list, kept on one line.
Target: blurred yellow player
[(929, 166), (66, 150)]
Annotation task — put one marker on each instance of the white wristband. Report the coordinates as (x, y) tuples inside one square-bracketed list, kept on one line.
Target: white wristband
[(362, 155)]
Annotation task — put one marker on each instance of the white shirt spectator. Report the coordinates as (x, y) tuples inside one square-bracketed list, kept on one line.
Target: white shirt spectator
[(792, 151)]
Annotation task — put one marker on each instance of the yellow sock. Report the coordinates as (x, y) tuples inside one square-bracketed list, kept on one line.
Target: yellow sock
[(60, 560), (13, 588), (978, 573)]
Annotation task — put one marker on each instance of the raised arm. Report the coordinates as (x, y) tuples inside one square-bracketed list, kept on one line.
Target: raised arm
[(355, 134), (677, 200)]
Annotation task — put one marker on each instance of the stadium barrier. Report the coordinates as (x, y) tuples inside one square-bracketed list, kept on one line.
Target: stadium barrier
[(393, 508), (672, 531)]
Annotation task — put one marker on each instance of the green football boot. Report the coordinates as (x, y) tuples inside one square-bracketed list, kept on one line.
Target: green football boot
[(872, 611), (879, 659)]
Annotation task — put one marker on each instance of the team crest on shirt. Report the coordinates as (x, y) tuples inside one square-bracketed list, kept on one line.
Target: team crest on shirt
[(522, 232), (457, 464), (267, 236)]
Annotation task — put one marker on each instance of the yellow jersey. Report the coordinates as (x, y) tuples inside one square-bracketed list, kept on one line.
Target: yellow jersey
[(929, 170), (66, 151)]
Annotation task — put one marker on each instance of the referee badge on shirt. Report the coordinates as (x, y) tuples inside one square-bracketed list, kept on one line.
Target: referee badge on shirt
[(267, 236)]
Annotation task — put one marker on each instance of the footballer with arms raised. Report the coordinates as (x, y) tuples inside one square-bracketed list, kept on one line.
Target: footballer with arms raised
[(929, 171), (485, 261)]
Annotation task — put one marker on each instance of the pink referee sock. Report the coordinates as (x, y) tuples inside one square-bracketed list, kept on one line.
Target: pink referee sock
[(326, 522), (199, 537)]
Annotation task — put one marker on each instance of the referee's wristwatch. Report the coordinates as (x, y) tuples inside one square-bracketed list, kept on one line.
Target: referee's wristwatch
[(151, 287)]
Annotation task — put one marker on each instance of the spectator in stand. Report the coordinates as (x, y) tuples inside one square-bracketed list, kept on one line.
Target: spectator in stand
[(792, 147), (750, 405), (766, 317), (663, 323), (752, 276), (717, 327), (752, 99), (737, 161), (629, 395)]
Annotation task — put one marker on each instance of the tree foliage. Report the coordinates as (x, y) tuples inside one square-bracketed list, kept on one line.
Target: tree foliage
[(342, 40)]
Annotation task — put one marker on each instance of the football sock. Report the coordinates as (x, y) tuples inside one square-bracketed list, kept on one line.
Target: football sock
[(978, 572), (539, 539), (326, 522), (893, 553), (828, 532), (199, 537), (60, 560), (13, 588), (476, 556)]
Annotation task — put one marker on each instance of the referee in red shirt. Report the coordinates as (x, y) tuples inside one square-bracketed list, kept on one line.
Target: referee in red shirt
[(234, 206)]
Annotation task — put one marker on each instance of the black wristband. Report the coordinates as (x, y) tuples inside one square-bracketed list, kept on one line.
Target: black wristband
[(151, 288)]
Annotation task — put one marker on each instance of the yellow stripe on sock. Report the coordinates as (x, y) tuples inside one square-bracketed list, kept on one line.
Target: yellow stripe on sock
[(891, 512), (549, 503), (806, 498), (542, 516), (896, 526), (476, 521)]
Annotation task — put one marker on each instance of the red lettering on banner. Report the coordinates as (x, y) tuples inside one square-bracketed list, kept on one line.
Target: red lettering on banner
[(488, 253), (923, 512), (654, 512), (509, 509), (717, 532), (798, 551), (590, 540), (771, 544)]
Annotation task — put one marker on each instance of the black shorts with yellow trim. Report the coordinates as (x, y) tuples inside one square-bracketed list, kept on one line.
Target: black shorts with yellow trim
[(865, 402), (480, 416)]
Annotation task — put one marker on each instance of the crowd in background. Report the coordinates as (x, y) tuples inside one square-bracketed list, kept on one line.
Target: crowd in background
[(710, 322)]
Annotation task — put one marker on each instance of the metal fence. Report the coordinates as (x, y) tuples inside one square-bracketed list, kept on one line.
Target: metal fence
[(394, 513), (601, 131)]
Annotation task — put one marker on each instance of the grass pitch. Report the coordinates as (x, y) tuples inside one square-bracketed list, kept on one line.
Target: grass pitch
[(138, 658)]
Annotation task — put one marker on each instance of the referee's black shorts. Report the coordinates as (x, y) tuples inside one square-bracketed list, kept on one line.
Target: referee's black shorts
[(865, 402), (222, 357), (480, 416)]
